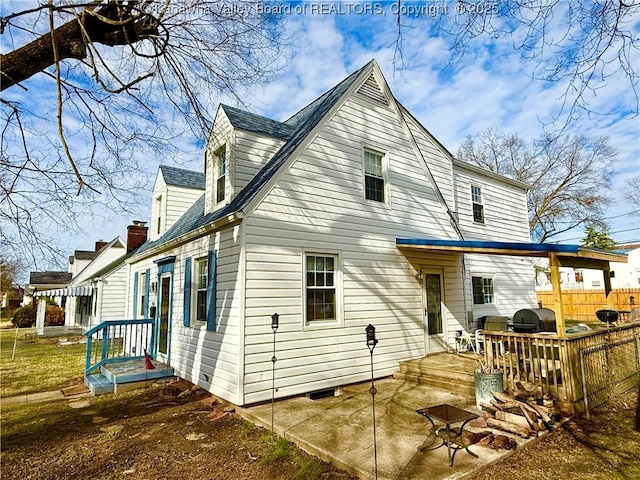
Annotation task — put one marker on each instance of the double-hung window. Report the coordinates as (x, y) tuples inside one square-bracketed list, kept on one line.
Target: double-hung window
[(201, 278), (221, 173), (320, 287), (476, 200), (374, 175), (482, 290)]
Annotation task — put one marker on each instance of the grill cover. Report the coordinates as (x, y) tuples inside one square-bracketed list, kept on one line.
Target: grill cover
[(534, 320)]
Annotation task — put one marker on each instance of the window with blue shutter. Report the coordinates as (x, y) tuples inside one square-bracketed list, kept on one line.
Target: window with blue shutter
[(135, 294), (145, 304), (211, 290), (187, 293)]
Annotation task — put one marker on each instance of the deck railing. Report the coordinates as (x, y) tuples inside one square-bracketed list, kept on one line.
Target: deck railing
[(119, 340), (554, 363)]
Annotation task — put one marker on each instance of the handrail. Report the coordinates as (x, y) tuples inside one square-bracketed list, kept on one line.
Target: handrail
[(119, 340), (547, 360)]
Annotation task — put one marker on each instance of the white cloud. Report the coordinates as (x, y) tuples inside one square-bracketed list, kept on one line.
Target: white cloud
[(491, 86)]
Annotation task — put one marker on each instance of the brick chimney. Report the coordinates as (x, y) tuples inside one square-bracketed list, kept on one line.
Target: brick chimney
[(99, 244), (136, 235)]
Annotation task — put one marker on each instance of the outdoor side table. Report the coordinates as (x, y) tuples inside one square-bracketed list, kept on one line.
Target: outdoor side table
[(449, 436)]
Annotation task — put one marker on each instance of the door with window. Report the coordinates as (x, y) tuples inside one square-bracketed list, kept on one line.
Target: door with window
[(164, 314), (434, 322)]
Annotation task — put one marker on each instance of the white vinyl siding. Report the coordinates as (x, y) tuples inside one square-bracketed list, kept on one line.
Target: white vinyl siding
[(170, 202), (379, 285), (439, 164), (207, 358), (112, 292), (504, 208), (252, 151)]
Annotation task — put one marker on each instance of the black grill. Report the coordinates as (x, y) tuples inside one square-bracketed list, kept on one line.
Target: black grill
[(534, 320), (607, 316)]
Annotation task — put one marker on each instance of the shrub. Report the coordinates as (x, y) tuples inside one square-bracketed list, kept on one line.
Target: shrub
[(25, 317), (54, 316)]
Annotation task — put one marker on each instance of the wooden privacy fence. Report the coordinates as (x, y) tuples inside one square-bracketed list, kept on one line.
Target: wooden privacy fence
[(554, 363), (582, 305)]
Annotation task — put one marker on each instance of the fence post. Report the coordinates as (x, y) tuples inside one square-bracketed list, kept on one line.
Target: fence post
[(15, 344)]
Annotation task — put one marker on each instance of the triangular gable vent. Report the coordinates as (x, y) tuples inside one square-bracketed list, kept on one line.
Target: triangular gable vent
[(372, 90)]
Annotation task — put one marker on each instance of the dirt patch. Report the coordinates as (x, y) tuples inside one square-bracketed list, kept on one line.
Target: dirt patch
[(181, 433), (603, 448), (147, 434)]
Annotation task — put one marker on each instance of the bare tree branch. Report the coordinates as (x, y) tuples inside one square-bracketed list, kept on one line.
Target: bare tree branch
[(569, 176)]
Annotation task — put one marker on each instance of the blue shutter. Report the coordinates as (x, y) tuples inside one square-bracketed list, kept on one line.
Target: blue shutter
[(147, 276), (211, 290), (135, 294), (187, 292)]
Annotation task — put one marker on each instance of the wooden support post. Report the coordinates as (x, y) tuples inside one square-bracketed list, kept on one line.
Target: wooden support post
[(554, 266)]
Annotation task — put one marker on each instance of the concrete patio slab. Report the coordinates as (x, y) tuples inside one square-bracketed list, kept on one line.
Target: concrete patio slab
[(340, 430)]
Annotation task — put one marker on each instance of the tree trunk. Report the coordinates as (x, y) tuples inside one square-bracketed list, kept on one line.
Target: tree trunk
[(36, 56), (71, 42)]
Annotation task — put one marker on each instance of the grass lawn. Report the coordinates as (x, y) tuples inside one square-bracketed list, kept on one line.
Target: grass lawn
[(39, 366)]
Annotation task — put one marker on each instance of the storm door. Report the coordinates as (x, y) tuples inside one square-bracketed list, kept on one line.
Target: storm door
[(165, 304), (433, 312)]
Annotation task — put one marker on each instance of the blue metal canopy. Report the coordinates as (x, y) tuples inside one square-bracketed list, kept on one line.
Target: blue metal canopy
[(524, 249)]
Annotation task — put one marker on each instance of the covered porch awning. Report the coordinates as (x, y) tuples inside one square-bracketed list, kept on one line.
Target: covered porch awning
[(575, 256), (78, 291)]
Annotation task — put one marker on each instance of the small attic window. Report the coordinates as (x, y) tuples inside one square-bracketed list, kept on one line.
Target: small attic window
[(158, 209), (221, 173)]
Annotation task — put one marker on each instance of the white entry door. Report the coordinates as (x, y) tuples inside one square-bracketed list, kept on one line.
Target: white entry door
[(434, 326)]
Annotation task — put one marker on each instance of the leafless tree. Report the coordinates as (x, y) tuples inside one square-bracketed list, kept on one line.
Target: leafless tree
[(111, 83), (569, 176), (631, 191), (579, 44)]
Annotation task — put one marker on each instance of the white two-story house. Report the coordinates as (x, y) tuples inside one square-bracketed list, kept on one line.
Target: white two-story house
[(323, 219)]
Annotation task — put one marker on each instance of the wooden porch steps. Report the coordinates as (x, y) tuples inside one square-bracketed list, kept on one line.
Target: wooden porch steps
[(125, 375), (448, 371)]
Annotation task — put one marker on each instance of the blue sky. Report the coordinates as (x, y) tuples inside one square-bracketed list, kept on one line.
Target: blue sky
[(491, 86)]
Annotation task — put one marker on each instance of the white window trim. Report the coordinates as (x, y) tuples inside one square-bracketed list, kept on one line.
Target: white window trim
[(385, 174), (492, 276), (158, 217), (323, 324), (481, 203), (216, 176), (202, 324)]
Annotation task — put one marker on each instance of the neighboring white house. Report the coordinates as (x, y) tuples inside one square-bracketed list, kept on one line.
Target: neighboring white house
[(96, 284), (623, 275), (323, 219)]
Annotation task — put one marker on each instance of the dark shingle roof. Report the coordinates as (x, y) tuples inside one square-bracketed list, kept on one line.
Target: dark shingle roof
[(180, 177), (85, 254), (46, 278), (255, 123), (303, 122)]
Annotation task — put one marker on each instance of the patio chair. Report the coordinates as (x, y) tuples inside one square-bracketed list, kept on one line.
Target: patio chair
[(465, 342), (495, 323)]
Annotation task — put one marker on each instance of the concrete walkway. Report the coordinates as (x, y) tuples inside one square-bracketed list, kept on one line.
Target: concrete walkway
[(340, 430), (69, 394)]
